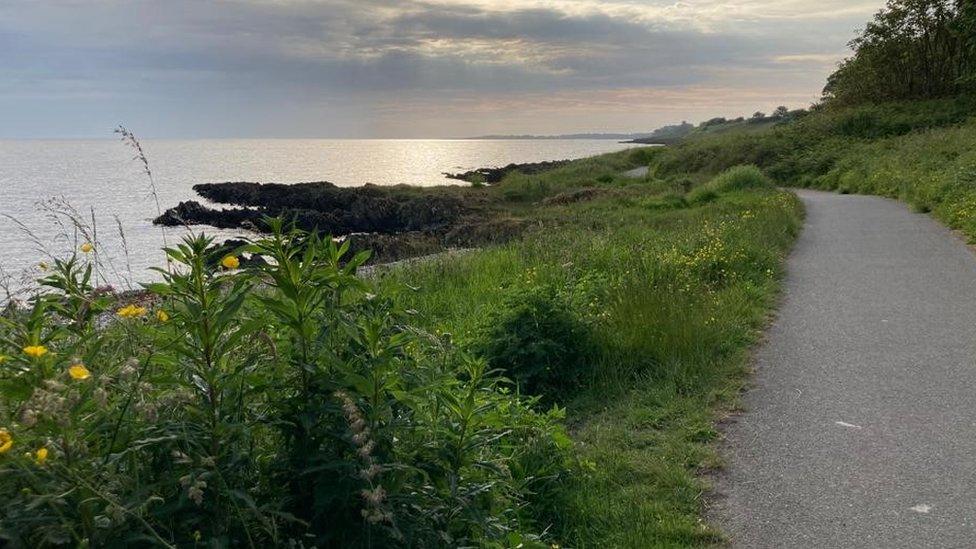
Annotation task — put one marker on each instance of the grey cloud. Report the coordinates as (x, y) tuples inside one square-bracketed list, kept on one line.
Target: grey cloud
[(345, 52)]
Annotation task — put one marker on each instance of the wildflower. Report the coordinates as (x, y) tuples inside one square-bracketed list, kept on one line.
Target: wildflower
[(78, 371), (87, 247), (100, 396), (130, 367), (131, 311), (370, 472), (42, 265), (162, 316), (117, 513), (40, 456), (230, 262), (366, 449), (3, 358), (35, 351), (197, 536), (376, 496), (28, 418), (6, 441), (54, 385), (195, 492)]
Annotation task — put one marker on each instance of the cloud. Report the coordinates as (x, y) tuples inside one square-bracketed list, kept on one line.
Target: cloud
[(176, 60)]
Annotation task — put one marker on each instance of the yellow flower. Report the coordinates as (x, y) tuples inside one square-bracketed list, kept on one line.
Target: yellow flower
[(87, 247), (6, 441), (78, 371), (230, 262), (3, 358), (162, 316), (35, 351), (131, 311), (42, 265), (41, 456)]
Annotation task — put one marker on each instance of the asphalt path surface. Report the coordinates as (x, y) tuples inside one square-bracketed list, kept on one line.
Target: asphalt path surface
[(637, 172), (860, 428)]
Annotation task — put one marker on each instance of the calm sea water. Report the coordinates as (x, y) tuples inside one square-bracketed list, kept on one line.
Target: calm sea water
[(101, 175)]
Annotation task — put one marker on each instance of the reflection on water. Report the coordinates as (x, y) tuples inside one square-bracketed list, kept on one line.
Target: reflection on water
[(102, 175)]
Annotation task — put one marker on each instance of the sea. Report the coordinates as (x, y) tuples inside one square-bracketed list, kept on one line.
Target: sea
[(56, 194)]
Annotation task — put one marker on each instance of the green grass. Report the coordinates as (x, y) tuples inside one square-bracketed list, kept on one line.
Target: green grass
[(676, 275), (674, 296), (920, 152)]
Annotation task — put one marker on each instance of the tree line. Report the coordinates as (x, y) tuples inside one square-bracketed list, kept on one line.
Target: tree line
[(912, 49)]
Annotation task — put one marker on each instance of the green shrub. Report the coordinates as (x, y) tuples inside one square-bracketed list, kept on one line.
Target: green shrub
[(739, 178), (642, 156), (536, 339), (667, 201), (280, 405), (701, 195)]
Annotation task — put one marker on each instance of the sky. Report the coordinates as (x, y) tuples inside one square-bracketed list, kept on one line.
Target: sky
[(408, 68)]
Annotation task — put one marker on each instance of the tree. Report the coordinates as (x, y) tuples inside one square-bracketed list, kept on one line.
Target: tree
[(912, 49), (966, 28), (781, 112), (758, 115), (717, 121)]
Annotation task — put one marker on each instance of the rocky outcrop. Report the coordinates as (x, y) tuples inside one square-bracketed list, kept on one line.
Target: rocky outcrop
[(495, 175), (321, 207)]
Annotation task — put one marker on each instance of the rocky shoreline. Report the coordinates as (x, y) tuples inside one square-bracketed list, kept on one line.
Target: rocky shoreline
[(495, 175), (395, 222), (320, 206)]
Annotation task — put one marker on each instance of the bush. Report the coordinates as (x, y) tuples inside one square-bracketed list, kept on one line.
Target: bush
[(276, 405), (739, 178), (667, 201), (701, 195), (536, 339)]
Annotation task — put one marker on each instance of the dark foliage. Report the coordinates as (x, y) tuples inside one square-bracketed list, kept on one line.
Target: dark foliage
[(913, 49), (536, 339)]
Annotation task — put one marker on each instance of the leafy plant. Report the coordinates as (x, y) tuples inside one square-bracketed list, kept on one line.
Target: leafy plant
[(280, 404), (536, 339)]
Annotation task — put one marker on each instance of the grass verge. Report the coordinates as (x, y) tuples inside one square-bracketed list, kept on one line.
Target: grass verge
[(921, 152), (671, 295)]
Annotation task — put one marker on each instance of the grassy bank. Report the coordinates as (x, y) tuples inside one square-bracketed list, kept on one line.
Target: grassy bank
[(560, 388), (921, 152), (668, 296)]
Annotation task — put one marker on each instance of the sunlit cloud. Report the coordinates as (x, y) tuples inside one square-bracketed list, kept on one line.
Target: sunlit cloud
[(341, 67)]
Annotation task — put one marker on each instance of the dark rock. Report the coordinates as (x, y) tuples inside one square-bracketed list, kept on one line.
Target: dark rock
[(321, 207), (386, 248), (194, 213), (495, 175)]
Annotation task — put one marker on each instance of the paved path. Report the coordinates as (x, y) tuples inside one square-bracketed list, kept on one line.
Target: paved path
[(637, 172), (861, 428)]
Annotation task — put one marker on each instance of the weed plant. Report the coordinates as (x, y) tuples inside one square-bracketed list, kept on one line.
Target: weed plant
[(278, 405)]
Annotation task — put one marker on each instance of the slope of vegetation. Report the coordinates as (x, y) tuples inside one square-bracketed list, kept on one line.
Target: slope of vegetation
[(279, 405), (560, 388), (291, 402), (896, 119), (921, 152), (634, 311)]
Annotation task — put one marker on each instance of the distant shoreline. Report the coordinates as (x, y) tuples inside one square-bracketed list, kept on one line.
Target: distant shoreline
[(572, 136)]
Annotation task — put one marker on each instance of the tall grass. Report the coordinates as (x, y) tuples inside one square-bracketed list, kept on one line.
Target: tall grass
[(919, 152), (672, 298), (292, 403)]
